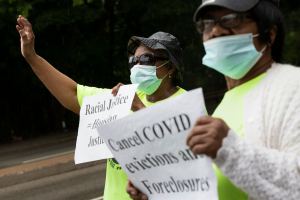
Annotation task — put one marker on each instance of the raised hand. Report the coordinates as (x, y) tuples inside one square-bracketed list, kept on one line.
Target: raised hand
[(61, 86), (26, 37), (207, 135)]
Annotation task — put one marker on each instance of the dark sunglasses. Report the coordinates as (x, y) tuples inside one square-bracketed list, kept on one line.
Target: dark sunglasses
[(145, 59), (229, 21)]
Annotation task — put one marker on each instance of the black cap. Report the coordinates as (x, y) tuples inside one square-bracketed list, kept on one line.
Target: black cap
[(159, 41), (235, 5)]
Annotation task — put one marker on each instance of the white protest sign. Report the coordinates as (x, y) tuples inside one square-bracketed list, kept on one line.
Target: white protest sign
[(150, 145), (96, 111)]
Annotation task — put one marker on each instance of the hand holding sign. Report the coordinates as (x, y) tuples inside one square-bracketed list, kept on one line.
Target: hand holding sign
[(150, 145), (135, 193), (136, 105), (207, 135)]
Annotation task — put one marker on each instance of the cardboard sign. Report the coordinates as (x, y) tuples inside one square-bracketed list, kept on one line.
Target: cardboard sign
[(150, 145), (96, 111)]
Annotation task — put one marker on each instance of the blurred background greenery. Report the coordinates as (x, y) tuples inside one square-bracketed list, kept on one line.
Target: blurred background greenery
[(87, 40)]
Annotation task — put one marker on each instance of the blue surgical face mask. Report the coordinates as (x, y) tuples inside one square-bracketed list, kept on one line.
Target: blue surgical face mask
[(233, 56), (145, 77)]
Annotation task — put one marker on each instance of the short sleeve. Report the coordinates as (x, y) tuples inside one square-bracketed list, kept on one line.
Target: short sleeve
[(83, 91)]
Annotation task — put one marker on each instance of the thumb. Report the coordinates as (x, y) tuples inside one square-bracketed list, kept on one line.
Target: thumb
[(23, 34)]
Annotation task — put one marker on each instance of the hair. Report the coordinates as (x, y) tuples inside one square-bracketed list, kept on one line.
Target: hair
[(268, 16), (176, 75)]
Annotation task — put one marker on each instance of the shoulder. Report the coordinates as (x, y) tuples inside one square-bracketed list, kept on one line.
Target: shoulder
[(83, 91), (282, 76), (284, 71), (89, 91)]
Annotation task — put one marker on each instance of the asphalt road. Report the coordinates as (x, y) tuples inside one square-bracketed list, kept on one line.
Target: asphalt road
[(44, 169), (81, 184), (36, 149)]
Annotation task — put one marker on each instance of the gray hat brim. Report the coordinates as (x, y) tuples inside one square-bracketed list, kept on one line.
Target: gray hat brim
[(152, 44), (235, 5)]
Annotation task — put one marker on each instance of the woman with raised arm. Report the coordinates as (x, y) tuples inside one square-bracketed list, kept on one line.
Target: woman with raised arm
[(155, 64)]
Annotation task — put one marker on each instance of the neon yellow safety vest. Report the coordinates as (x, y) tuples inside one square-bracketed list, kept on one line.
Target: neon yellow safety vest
[(116, 178), (231, 110)]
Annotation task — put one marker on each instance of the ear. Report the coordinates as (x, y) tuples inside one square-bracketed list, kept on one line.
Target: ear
[(172, 70), (273, 34)]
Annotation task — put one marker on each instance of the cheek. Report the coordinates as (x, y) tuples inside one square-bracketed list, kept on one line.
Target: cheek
[(160, 73), (248, 27), (258, 45), (205, 37)]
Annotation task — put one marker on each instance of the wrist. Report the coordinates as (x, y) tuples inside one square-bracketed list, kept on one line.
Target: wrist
[(30, 57)]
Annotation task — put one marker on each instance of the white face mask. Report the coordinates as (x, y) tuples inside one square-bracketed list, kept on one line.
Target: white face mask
[(233, 55), (145, 76)]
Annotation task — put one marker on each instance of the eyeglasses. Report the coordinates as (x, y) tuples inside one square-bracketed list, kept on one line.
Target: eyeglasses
[(144, 59), (229, 21)]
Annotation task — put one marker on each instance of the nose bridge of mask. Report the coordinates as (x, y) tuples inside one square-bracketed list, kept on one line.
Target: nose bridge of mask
[(229, 38)]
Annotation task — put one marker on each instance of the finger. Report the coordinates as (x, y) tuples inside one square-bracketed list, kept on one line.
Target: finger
[(115, 89), (135, 196), (197, 130), (25, 29), (131, 189), (18, 27), (19, 20), (200, 149), (22, 33), (144, 197), (198, 139), (134, 193), (26, 25), (204, 120), (24, 21)]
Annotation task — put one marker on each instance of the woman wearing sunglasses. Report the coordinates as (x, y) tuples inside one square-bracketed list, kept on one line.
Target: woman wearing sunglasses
[(155, 64)]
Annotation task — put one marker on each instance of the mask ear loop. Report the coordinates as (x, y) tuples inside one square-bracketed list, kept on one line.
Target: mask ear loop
[(264, 48), (162, 66)]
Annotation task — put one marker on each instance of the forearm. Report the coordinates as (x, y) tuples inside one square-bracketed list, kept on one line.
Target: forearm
[(261, 172), (61, 86)]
